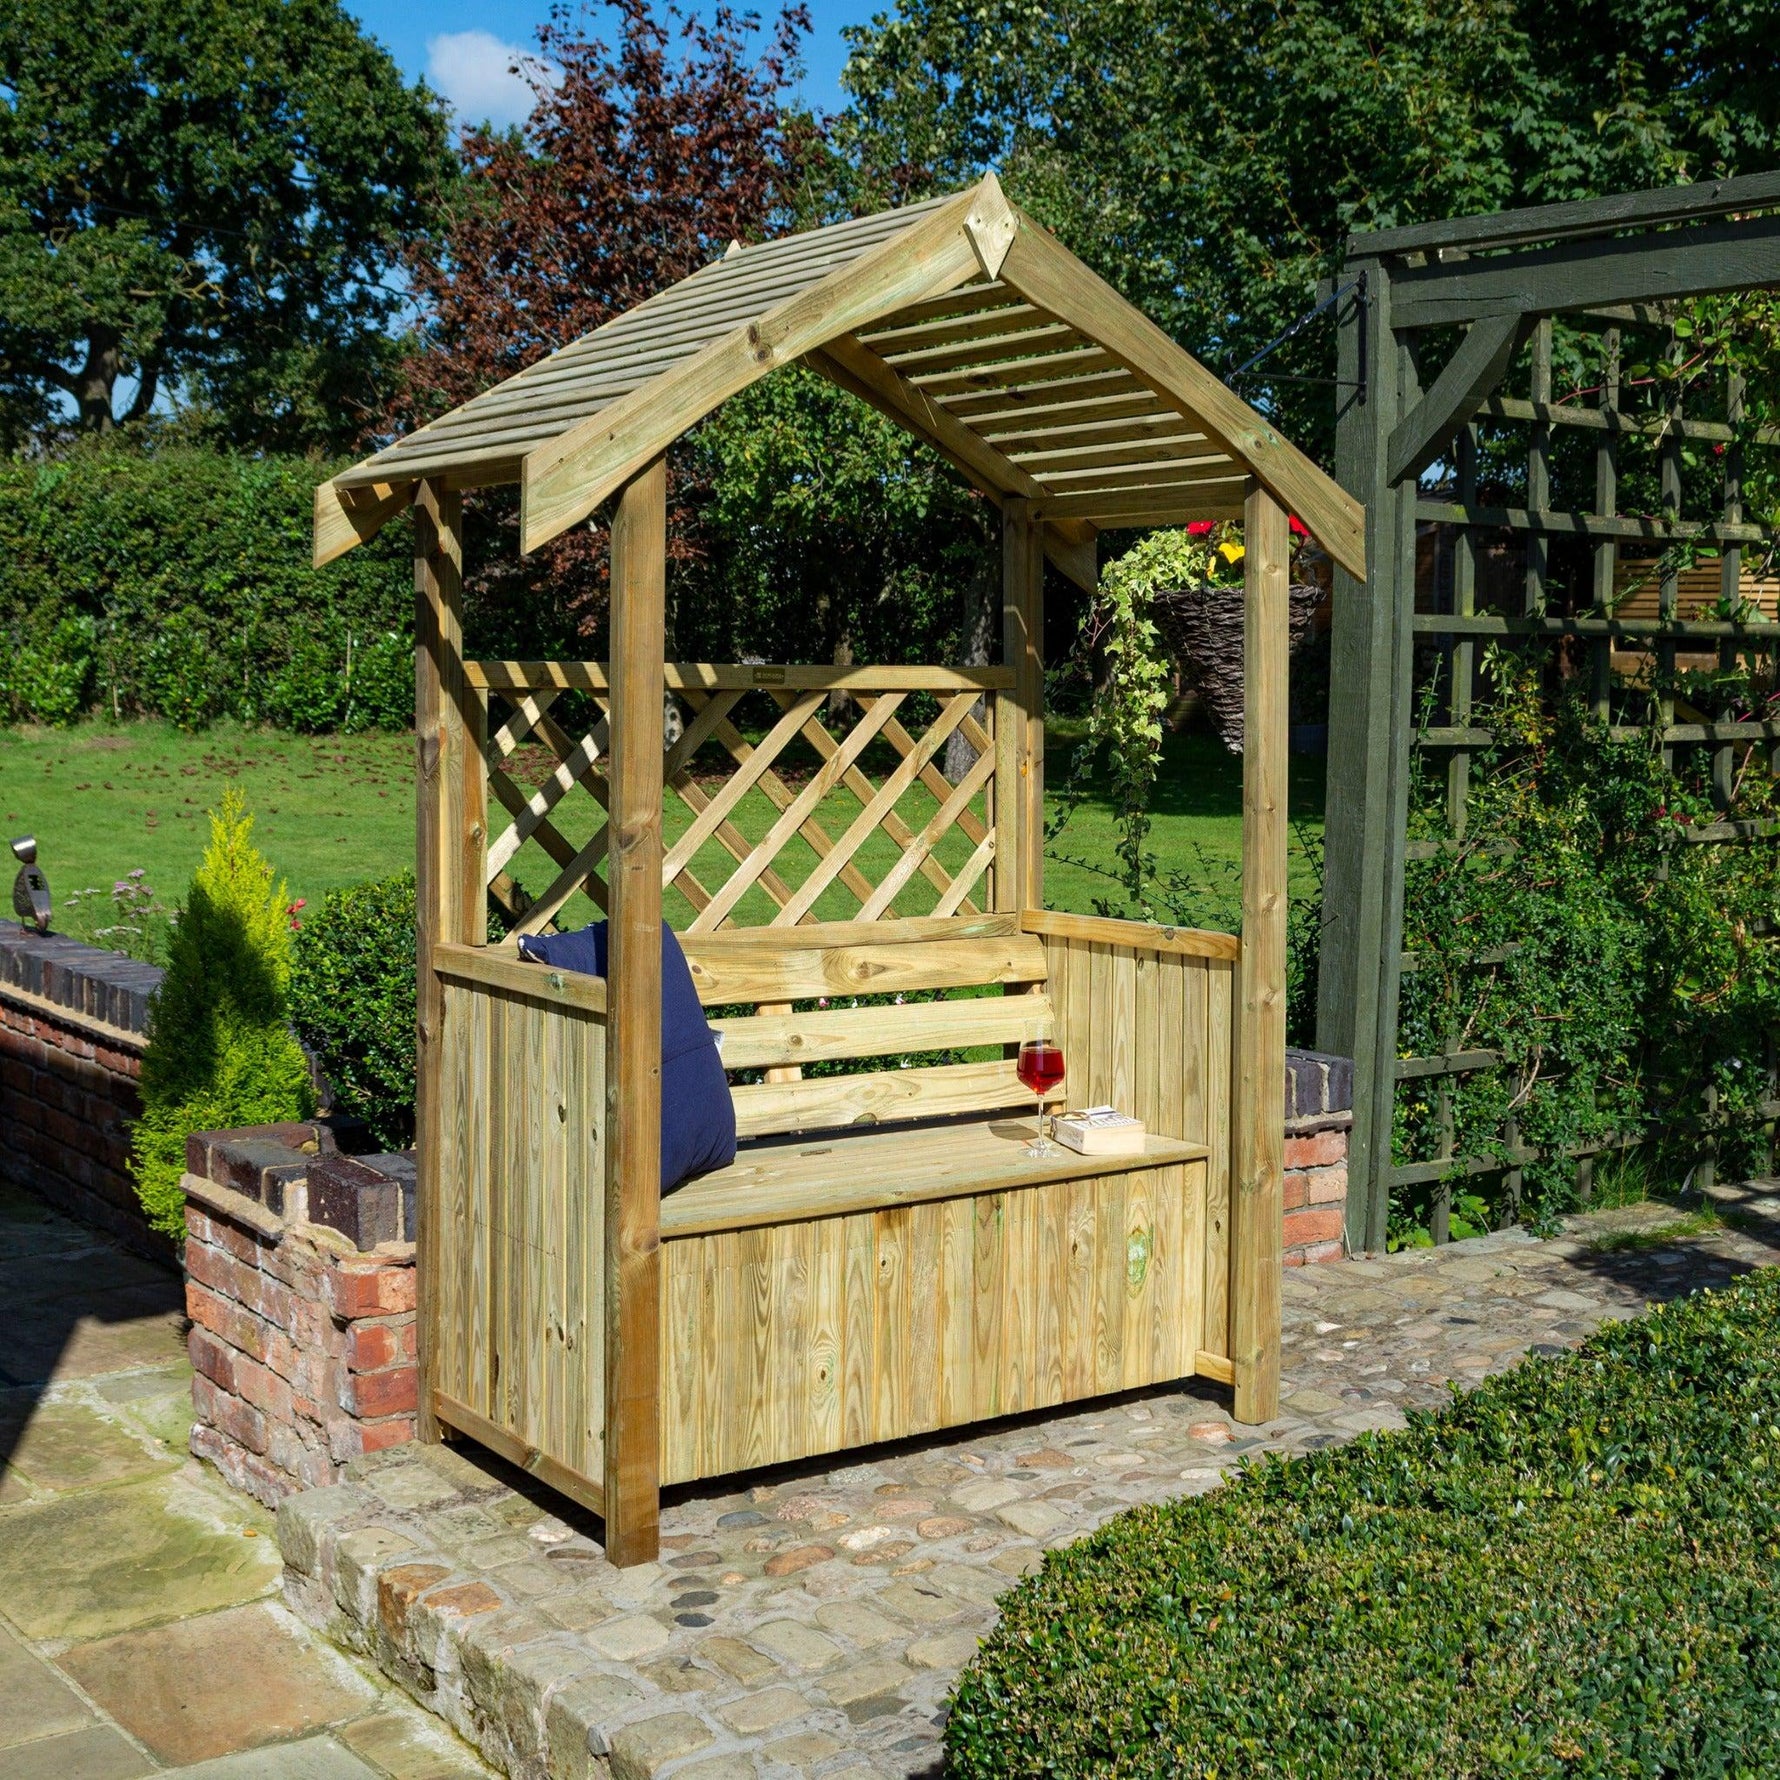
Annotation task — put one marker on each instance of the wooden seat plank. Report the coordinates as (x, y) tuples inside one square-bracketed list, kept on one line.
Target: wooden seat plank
[(839, 1176)]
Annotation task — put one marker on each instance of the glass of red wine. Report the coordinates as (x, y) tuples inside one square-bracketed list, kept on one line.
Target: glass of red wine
[(1040, 1069)]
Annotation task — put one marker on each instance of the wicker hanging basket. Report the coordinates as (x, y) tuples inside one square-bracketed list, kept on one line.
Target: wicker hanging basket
[(1203, 628)]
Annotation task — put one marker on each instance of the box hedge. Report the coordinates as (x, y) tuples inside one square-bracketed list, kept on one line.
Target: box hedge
[(352, 999), (1574, 1570)]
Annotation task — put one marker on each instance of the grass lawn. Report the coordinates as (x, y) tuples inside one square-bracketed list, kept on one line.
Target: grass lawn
[(106, 799)]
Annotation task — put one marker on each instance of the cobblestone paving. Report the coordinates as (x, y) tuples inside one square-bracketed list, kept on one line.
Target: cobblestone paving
[(813, 1623)]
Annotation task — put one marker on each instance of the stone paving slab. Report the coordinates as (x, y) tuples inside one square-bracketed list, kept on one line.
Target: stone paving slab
[(139, 1624), (813, 1620)]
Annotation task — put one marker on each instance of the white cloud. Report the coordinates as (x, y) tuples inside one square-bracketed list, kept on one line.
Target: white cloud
[(475, 71)]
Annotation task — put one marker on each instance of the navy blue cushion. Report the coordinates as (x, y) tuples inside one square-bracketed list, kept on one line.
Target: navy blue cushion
[(697, 1113)]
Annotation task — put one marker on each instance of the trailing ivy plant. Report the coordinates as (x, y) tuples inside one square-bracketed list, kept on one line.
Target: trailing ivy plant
[(1626, 980), (1622, 982), (1125, 719)]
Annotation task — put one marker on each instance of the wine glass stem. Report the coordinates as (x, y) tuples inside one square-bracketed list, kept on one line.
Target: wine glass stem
[(1039, 1140)]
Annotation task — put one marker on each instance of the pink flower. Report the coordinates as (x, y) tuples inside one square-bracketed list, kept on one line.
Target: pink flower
[(1299, 528), (1201, 528)]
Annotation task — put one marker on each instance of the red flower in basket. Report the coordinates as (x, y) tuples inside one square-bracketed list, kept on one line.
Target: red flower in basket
[(1299, 528), (1201, 528)]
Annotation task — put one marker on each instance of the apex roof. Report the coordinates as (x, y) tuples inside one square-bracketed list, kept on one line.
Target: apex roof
[(960, 318)]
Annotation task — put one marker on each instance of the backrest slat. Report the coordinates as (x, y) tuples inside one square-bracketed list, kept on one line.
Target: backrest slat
[(773, 1041), (726, 973), (829, 1102)]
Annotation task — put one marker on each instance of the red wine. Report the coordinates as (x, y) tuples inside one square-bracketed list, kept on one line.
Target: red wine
[(1040, 1067)]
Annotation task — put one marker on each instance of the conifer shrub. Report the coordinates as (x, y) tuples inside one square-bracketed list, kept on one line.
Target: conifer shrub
[(220, 1048)]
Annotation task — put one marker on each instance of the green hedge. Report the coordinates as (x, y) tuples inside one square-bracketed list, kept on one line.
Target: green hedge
[(1571, 1571), (176, 582), (352, 999)]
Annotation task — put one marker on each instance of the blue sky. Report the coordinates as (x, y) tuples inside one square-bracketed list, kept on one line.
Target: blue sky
[(464, 47)]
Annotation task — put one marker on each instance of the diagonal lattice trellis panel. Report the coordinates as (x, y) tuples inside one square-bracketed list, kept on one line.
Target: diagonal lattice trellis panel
[(799, 820)]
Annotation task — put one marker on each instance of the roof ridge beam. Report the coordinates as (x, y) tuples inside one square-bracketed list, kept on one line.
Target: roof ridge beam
[(566, 478)]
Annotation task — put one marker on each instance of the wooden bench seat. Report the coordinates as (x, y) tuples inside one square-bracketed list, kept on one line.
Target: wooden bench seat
[(843, 1173), (882, 1258)]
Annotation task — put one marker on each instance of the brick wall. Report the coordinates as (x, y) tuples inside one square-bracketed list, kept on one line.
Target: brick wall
[(1319, 1117), (72, 1020), (302, 1340)]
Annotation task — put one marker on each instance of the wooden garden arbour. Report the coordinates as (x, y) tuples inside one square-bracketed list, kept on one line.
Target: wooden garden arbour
[(925, 1276), (1496, 282)]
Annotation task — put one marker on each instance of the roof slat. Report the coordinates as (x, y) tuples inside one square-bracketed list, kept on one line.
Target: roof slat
[(1116, 420), (1046, 464), (985, 349), (1179, 505), (945, 329), (1017, 372), (1161, 472), (968, 404), (967, 299)]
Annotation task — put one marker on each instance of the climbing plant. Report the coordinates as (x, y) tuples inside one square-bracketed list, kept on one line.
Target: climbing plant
[(1615, 981)]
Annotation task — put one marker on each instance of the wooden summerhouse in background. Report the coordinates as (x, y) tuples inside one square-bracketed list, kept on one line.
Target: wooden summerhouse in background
[(883, 1258)]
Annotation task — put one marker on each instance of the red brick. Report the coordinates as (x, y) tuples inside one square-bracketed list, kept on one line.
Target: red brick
[(220, 1233), (273, 1301), (380, 1436), (229, 1415), (212, 1358), (358, 1289), (1317, 1151), (370, 1345), (220, 1272), (1294, 1189), (1327, 1186), (59, 1126), (263, 1388), (1324, 1251), (240, 1328), (1313, 1226), (393, 1391)]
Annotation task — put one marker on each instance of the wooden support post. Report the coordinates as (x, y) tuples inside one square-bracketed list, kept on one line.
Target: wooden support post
[(633, 1031), (1257, 1167), (446, 905), (1020, 842), (1004, 804), (1372, 649), (1606, 550)]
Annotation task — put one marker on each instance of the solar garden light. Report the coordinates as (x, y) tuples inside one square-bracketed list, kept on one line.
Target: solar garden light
[(30, 889)]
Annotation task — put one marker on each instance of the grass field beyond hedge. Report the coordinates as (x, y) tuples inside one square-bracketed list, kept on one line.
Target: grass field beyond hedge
[(1571, 1571), (105, 799)]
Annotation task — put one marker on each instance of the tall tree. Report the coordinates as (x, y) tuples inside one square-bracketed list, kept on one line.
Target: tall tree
[(1210, 159), (636, 167), (640, 163), (204, 198)]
